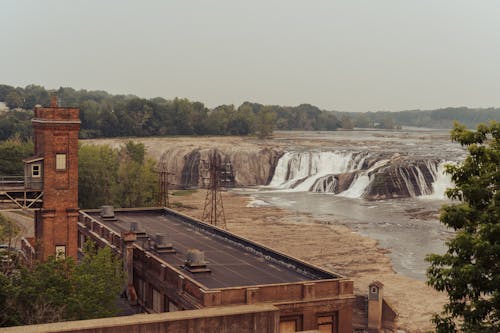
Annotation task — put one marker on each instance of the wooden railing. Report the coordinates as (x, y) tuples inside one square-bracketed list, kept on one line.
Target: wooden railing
[(11, 181)]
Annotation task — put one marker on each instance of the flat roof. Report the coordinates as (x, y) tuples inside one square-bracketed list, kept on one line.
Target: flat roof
[(233, 260)]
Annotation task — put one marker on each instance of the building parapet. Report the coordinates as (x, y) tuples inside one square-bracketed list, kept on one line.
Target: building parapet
[(263, 318), (57, 114)]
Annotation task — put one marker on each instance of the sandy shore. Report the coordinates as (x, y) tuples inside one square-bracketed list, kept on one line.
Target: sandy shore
[(331, 246)]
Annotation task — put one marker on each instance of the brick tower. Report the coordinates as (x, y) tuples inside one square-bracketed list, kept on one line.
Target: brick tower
[(56, 142)]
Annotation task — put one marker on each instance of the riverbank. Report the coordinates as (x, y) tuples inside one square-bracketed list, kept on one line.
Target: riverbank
[(331, 246)]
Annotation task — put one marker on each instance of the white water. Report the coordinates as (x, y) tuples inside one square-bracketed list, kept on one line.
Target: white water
[(441, 184), (298, 171), (316, 171), (359, 185), (357, 188)]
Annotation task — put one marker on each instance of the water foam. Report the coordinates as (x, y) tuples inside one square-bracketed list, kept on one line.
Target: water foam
[(442, 182), (300, 171)]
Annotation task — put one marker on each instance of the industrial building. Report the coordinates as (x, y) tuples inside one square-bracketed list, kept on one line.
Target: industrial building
[(179, 263)]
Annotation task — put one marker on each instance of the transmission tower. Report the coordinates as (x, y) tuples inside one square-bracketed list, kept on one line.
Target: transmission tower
[(163, 183), (220, 177)]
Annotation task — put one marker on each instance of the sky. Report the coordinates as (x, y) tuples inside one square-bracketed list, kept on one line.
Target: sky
[(349, 55)]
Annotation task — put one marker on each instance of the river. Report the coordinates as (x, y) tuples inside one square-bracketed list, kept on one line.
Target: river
[(408, 227)]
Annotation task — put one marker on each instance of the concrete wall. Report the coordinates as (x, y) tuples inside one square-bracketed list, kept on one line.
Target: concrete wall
[(234, 319)]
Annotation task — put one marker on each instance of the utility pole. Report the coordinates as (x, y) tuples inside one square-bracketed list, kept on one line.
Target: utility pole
[(220, 177)]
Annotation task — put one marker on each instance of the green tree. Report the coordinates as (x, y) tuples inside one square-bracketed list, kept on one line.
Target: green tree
[(136, 178), (387, 123), (241, 121), (60, 289), (12, 152), (469, 272), (123, 178), (347, 122), (35, 95), (8, 230), (362, 121), (4, 91), (327, 121), (136, 151), (15, 122), (97, 280), (266, 119), (14, 100), (97, 175)]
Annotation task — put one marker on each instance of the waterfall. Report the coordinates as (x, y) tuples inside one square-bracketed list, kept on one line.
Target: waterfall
[(357, 188), (442, 182), (360, 175), (327, 184), (361, 182), (301, 171)]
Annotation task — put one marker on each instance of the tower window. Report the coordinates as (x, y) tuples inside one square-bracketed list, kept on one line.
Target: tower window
[(60, 252), (60, 161), (35, 170)]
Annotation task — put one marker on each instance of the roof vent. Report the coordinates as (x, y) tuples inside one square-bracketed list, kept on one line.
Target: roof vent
[(162, 245), (108, 213), (134, 227), (195, 261)]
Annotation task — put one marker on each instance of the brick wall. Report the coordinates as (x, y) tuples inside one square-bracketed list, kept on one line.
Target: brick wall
[(56, 132)]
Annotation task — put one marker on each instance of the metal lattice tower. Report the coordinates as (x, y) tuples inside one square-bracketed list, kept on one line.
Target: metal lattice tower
[(163, 182), (220, 177)]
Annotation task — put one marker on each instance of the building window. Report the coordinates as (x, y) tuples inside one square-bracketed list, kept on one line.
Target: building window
[(60, 161), (157, 301), (60, 252), (35, 170), (290, 324), (327, 323)]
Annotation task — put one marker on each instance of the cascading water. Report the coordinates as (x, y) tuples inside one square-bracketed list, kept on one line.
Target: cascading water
[(359, 174), (441, 184), (300, 171), (359, 185)]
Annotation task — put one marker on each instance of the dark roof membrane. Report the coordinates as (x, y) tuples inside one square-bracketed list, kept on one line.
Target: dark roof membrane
[(232, 260)]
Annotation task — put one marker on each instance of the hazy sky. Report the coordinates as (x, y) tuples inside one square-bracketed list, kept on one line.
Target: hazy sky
[(344, 55)]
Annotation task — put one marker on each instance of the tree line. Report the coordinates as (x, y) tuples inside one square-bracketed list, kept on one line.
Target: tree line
[(440, 118), (107, 115)]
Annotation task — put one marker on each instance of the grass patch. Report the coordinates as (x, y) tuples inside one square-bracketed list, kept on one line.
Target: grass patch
[(180, 193), (181, 205)]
